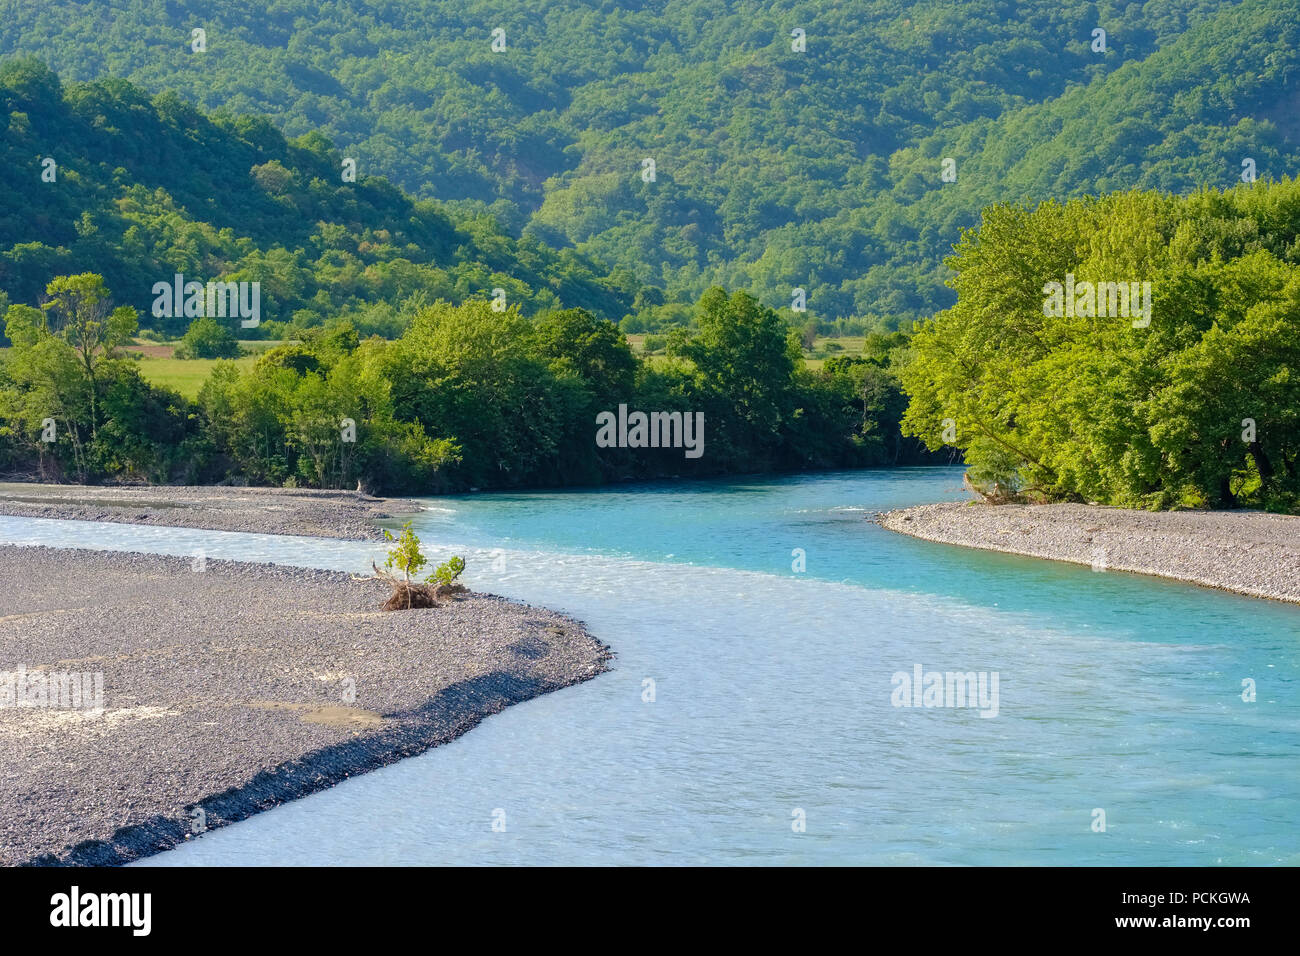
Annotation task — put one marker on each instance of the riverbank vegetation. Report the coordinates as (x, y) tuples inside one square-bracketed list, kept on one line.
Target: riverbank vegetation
[(1198, 408), (420, 348), (407, 558), (467, 397)]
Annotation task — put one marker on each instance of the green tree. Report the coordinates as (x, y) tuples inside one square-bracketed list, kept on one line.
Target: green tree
[(744, 356), (80, 312), (207, 338), (1194, 409)]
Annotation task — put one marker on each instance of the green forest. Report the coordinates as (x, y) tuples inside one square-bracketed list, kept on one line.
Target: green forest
[(143, 187), (385, 308), (465, 398), (775, 168), (457, 214), (1194, 404)]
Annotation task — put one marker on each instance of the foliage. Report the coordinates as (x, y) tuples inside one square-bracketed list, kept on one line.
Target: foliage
[(406, 555), (1200, 408), (147, 188), (467, 397), (775, 168), (72, 404), (445, 574), (207, 339), (407, 558)]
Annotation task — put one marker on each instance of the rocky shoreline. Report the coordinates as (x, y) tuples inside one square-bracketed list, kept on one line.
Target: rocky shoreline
[(329, 514), (1247, 552), (231, 690)]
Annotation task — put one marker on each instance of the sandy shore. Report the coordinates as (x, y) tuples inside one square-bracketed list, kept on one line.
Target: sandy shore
[(234, 689), (1250, 552), (329, 514)]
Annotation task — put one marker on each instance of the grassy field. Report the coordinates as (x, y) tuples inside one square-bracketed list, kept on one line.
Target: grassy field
[(181, 375), (186, 376), (824, 348), (814, 358)]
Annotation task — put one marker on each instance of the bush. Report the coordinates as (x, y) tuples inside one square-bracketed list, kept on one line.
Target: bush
[(446, 573), (207, 339), (407, 558)]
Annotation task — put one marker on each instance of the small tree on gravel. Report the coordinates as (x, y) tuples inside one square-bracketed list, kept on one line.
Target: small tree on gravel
[(445, 574), (407, 558)]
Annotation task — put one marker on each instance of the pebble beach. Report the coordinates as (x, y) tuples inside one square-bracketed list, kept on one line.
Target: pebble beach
[(330, 514), (230, 690), (1248, 552)]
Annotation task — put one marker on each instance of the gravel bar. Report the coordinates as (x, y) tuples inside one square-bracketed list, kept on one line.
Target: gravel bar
[(232, 690), (328, 514), (1249, 552)]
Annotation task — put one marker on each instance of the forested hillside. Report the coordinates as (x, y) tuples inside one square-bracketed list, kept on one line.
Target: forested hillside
[(841, 151), (775, 167), (396, 370), (107, 179)]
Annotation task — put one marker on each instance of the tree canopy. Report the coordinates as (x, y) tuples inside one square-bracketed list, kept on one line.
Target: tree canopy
[(143, 188), (1200, 407), (781, 161)]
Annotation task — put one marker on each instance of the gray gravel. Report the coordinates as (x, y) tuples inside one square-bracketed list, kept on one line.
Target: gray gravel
[(226, 690), (329, 514), (1250, 552)]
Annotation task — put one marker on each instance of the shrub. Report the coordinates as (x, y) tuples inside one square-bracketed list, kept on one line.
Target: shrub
[(446, 573), (407, 558), (207, 338)]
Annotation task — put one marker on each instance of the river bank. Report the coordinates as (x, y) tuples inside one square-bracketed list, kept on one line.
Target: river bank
[(1248, 552), (233, 689), (330, 514)]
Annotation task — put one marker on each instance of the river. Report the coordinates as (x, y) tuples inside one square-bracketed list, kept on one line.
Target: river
[(750, 714)]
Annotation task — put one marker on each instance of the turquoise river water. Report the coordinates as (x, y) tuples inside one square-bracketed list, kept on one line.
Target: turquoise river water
[(773, 736)]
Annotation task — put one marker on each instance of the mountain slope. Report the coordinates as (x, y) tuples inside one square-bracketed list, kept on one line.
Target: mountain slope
[(774, 168), (142, 188)]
